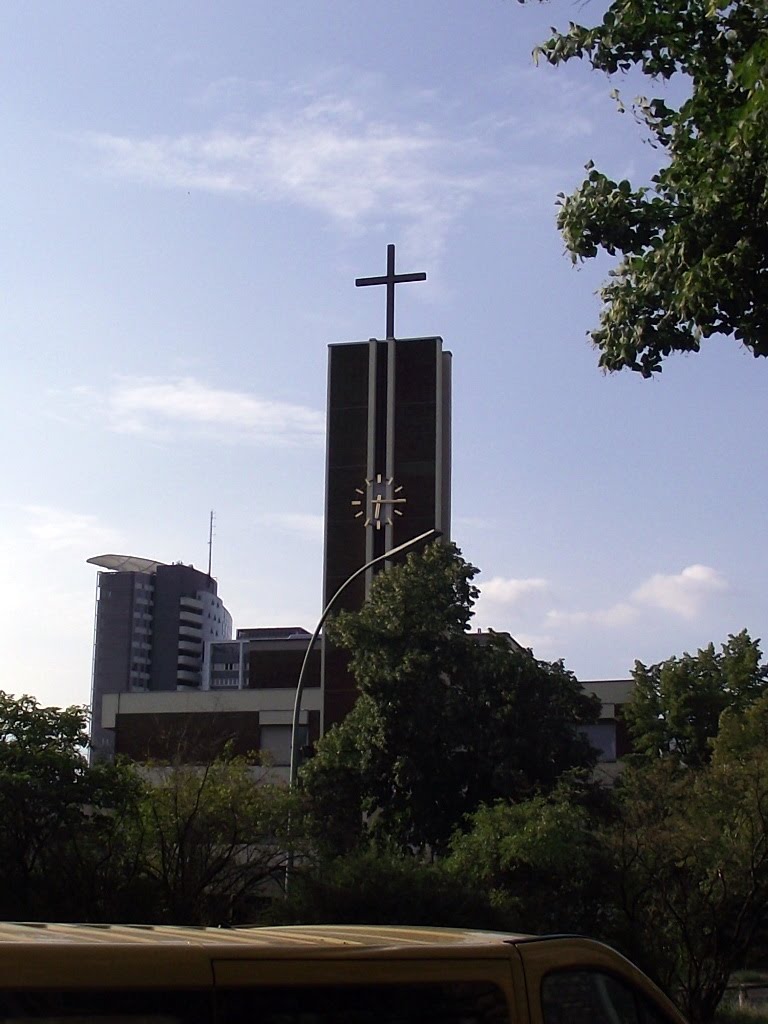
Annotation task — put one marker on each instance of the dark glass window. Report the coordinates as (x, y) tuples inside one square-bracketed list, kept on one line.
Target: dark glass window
[(602, 736), (113, 1007), (449, 1003), (592, 997)]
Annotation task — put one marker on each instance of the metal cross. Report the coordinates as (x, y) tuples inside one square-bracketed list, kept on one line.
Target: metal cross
[(390, 279)]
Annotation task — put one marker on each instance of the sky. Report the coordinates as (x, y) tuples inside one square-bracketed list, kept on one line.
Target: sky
[(188, 193)]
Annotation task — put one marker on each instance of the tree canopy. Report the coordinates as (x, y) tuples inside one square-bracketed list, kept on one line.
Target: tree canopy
[(677, 705), (58, 816), (692, 244), (176, 844), (444, 718), (210, 837), (542, 861), (690, 863)]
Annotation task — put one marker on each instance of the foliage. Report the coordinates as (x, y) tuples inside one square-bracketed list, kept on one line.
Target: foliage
[(741, 733), (173, 844), (672, 867), (693, 245), (676, 707), (691, 856), (59, 818), (443, 720), (370, 886), (212, 839), (333, 782), (542, 860)]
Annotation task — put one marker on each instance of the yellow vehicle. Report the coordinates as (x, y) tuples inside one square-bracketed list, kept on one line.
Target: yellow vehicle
[(126, 974)]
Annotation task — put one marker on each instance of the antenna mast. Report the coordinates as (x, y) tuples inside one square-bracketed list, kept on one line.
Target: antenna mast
[(210, 540)]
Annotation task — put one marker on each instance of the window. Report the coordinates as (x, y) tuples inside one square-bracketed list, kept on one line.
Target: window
[(602, 736), (447, 1003), (275, 740), (592, 997), (110, 1007)]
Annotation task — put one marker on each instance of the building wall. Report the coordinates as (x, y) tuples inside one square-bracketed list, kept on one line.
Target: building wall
[(610, 735), (112, 650), (114, 629), (179, 619), (194, 727)]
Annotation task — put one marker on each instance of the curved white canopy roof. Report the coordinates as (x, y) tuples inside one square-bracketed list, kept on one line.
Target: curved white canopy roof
[(125, 563)]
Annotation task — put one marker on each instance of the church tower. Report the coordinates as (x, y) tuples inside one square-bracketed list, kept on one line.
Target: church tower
[(388, 461)]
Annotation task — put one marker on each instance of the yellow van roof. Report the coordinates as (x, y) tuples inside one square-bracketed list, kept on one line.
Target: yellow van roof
[(319, 936)]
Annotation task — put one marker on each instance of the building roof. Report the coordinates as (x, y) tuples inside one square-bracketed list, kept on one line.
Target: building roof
[(126, 563), (273, 633)]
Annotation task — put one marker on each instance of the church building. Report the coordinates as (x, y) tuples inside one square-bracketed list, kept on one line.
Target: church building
[(388, 480)]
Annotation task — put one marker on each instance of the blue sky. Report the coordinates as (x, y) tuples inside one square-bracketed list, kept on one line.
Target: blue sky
[(188, 192)]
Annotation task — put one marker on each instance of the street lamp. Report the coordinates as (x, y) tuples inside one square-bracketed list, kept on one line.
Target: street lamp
[(399, 550)]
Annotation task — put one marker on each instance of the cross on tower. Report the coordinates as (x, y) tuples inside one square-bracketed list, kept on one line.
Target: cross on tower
[(390, 279)]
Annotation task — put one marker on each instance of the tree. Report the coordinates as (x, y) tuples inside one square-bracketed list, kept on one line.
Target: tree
[(742, 732), (59, 818), (213, 840), (369, 886), (443, 720), (676, 706), (671, 867), (693, 245), (542, 861), (690, 853)]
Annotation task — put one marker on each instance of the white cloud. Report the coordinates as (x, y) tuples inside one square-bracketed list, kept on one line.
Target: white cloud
[(620, 614), (57, 529), (328, 154), (153, 406), (513, 591), (685, 593), (527, 608)]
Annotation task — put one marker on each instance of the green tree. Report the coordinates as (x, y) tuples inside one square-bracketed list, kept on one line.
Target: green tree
[(672, 868), (60, 819), (690, 853), (370, 886), (742, 732), (676, 706), (443, 720), (542, 861), (692, 244), (213, 840)]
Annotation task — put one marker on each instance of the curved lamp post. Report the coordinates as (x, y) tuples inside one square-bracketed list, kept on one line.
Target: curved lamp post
[(422, 538)]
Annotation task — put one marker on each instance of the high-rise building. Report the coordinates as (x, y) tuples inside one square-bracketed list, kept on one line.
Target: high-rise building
[(152, 620)]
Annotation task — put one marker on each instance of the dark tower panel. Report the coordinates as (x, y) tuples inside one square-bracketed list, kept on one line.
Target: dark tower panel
[(388, 469), (416, 450), (347, 468)]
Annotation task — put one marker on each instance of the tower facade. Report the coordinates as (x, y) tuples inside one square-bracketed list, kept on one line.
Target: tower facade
[(388, 469)]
